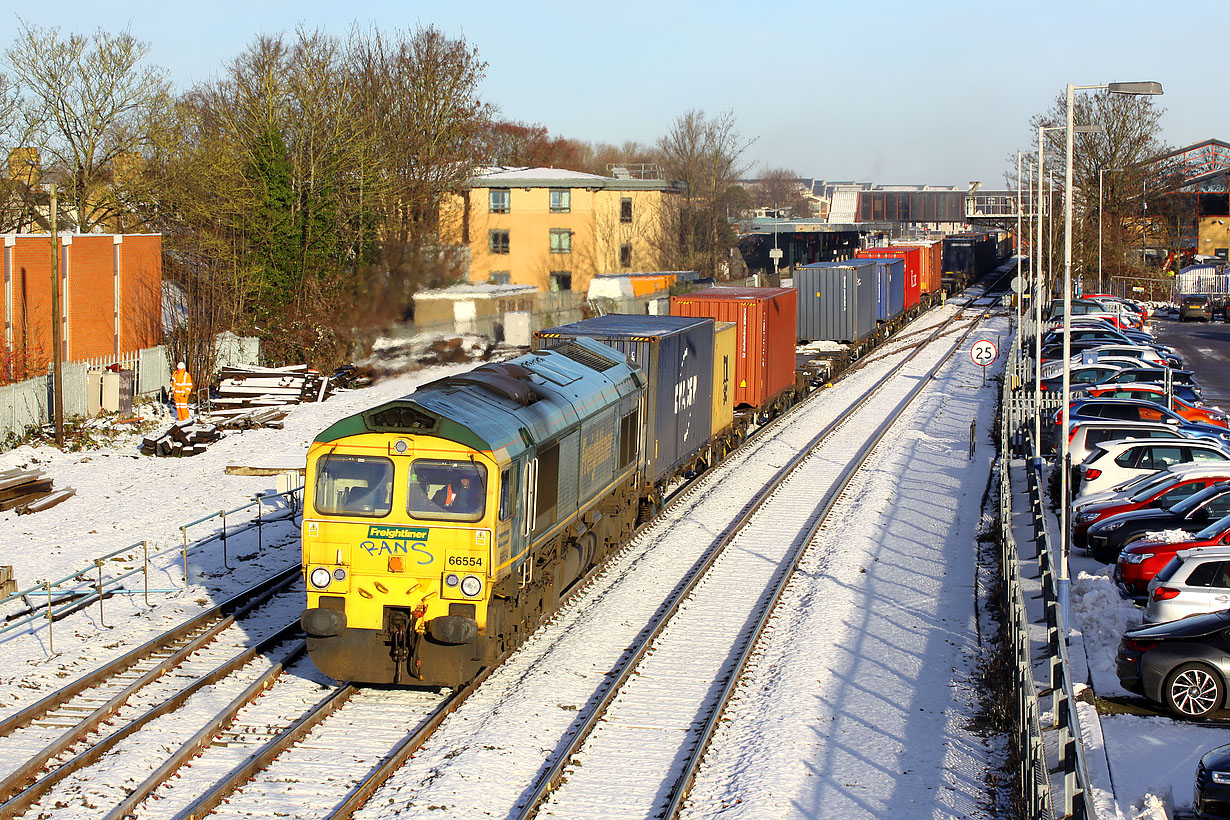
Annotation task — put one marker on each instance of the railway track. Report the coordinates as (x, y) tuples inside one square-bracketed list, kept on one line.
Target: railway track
[(62, 735)]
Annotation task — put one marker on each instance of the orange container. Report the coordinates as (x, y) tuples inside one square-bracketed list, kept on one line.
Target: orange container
[(766, 320), (929, 271)]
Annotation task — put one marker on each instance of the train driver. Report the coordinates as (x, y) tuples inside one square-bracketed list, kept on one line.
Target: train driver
[(459, 495)]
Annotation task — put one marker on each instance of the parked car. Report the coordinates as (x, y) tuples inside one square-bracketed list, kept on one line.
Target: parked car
[(1108, 537), (1167, 488), (1086, 334), (1153, 353), (1183, 399), (1128, 410), (1079, 378), (1126, 489), (1183, 664), (1211, 800), (1192, 580), (1116, 461), (1087, 434), (1195, 308), (1051, 369), (1142, 561), (1153, 375)]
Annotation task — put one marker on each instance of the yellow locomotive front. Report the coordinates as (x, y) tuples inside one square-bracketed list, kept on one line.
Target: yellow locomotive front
[(397, 545)]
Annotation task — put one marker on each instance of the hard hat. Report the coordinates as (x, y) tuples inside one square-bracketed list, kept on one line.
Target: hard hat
[(180, 366)]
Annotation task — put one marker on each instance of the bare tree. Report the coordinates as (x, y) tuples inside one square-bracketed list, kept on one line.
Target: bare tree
[(91, 104), (704, 153), (1126, 151), (780, 188)]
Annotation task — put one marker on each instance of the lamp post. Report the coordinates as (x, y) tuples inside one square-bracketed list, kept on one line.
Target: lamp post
[(1039, 210), (1101, 171), (1146, 88)]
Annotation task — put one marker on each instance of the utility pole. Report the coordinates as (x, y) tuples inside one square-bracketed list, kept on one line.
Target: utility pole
[(57, 374)]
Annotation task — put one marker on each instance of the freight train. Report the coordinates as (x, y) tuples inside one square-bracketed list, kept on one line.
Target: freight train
[(440, 528), (969, 256)]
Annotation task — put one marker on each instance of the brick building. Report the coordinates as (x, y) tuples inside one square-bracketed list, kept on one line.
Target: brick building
[(110, 298)]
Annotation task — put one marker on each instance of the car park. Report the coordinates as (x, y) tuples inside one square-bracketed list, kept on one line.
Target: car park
[(1164, 489), (1193, 580), (1134, 410), (1114, 462), (1183, 664)]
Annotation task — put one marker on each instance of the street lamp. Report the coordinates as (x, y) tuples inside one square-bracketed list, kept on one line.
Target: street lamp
[(1101, 171), (1144, 88)]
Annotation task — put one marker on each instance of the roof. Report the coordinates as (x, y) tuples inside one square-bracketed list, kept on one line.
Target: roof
[(563, 178), (466, 291)]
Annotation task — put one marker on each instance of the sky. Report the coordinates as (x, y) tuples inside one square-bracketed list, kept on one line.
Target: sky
[(936, 93)]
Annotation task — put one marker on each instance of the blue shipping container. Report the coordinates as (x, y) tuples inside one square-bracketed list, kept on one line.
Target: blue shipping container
[(676, 355), (890, 288)]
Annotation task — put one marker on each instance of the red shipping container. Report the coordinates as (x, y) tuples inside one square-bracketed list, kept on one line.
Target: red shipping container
[(932, 258), (913, 267), (767, 320)]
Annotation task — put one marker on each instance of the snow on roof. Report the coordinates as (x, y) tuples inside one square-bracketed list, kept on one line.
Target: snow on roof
[(510, 174), (470, 291)]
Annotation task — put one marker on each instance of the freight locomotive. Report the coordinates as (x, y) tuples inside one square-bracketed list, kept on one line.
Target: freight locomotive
[(440, 528)]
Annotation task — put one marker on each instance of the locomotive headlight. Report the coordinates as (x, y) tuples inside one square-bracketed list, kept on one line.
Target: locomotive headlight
[(339, 574), (321, 577), (451, 580), (471, 586)]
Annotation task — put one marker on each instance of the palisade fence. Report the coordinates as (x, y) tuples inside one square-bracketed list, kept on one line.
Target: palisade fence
[(28, 403), (1034, 774), (126, 571)]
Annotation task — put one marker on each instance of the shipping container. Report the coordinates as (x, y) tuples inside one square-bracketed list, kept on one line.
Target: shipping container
[(676, 355), (929, 279), (764, 345), (837, 301), (966, 257), (912, 258), (724, 335)]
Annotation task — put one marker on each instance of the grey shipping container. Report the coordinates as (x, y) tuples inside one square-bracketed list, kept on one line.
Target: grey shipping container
[(676, 354), (837, 301)]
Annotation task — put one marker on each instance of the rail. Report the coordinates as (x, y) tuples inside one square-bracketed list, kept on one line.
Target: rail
[(51, 601), (1033, 773)]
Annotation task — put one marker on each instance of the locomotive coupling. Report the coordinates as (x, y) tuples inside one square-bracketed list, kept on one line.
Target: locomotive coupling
[(453, 629), (322, 623)]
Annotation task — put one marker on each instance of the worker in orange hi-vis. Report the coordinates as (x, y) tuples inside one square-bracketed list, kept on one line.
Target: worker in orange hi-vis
[(181, 391)]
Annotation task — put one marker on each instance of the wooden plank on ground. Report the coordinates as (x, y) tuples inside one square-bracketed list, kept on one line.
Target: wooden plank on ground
[(47, 502)]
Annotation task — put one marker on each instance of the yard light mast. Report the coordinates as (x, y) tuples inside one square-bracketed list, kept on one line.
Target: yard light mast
[(1145, 88)]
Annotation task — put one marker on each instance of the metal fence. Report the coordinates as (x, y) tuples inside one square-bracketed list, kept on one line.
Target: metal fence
[(29, 403), (112, 574), (1016, 437)]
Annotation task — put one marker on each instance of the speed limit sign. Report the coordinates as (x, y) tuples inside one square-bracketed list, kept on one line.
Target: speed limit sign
[(983, 352)]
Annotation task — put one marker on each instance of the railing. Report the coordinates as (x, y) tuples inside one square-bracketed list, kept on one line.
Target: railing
[(50, 601), (1034, 774)]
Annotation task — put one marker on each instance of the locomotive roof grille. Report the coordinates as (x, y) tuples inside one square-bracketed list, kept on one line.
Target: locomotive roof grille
[(585, 356)]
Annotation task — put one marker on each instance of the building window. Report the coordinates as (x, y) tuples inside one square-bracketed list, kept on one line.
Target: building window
[(561, 280), (498, 241), (561, 201), (625, 255), (500, 277), (561, 240), (625, 209), (501, 201)]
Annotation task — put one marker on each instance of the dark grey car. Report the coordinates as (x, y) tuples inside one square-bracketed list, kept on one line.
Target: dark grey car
[(1183, 664)]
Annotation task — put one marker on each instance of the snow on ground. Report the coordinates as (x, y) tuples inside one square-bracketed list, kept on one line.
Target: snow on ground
[(124, 498), (866, 677)]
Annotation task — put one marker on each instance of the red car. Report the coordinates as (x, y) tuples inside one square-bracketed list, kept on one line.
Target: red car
[(1142, 560), (1162, 493)]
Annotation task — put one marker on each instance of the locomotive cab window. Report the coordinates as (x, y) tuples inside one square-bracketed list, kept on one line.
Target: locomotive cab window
[(354, 485), (442, 490)]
